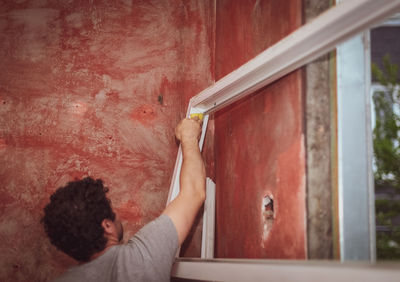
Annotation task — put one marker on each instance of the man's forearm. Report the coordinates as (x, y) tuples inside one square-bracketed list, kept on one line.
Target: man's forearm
[(183, 209), (192, 179)]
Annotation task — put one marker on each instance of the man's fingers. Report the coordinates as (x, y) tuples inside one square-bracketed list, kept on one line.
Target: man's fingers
[(189, 128), (197, 118)]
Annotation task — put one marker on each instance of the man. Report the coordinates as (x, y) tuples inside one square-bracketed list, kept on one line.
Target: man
[(79, 221)]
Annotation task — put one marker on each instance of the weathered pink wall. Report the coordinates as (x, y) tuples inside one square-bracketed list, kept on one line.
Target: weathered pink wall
[(259, 141), (91, 88), (96, 89)]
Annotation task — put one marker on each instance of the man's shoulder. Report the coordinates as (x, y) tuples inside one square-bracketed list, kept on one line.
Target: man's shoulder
[(154, 245), (97, 270)]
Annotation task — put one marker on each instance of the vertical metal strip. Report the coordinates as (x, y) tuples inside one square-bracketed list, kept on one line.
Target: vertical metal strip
[(369, 140), (354, 149)]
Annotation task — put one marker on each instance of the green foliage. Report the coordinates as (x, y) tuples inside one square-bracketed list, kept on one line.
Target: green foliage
[(388, 245), (387, 242), (389, 75), (386, 144), (387, 127), (387, 206)]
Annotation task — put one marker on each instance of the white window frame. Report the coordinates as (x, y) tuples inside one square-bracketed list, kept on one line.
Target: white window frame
[(232, 270), (302, 46)]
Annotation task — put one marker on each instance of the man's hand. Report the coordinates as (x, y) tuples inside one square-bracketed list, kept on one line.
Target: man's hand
[(184, 208), (188, 129)]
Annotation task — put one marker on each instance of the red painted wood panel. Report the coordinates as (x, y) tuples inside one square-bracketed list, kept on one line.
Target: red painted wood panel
[(91, 88), (259, 141)]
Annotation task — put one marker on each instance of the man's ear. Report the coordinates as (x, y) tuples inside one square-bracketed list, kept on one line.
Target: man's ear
[(108, 225)]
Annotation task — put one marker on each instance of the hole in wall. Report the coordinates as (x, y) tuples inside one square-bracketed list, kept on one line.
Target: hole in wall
[(268, 204), (268, 215), (160, 99)]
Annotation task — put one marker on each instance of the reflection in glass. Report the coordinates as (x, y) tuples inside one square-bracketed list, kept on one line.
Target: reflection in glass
[(385, 43)]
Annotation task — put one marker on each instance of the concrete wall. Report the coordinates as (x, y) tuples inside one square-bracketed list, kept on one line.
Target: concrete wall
[(91, 88), (259, 141), (320, 78)]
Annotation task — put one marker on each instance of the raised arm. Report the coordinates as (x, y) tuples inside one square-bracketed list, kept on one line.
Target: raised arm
[(183, 209)]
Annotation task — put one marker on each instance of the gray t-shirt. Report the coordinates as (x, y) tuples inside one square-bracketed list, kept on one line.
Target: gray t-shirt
[(148, 256)]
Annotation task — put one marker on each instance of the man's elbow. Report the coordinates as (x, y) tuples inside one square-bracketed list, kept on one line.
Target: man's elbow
[(199, 192), (202, 195)]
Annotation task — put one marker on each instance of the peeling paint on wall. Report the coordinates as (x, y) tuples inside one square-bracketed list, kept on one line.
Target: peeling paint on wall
[(79, 94)]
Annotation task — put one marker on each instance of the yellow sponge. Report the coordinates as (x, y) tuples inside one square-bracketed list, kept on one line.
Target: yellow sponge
[(200, 116)]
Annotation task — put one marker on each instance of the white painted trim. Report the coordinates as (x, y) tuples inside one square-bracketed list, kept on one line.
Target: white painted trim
[(314, 39), (174, 187), (266, 270), (208, 234)]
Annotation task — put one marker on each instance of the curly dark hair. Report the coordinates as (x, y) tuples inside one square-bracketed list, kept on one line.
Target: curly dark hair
[(73, 218)]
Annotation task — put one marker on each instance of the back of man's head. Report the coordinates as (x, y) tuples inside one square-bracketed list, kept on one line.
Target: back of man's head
[(74, 215)]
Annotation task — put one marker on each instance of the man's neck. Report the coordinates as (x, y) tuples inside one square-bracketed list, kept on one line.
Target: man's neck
[(110, 243)]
